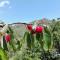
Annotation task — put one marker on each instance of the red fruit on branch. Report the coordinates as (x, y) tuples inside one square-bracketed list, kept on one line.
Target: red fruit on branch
[(39, 29), (7, 38), (29, 27)]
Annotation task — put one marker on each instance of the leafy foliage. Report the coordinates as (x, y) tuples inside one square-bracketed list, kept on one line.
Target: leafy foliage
[(38, 46), (3, 55)]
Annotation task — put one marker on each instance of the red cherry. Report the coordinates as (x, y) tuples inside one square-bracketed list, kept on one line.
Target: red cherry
[(7, 37), (29, 26), (39, 29)]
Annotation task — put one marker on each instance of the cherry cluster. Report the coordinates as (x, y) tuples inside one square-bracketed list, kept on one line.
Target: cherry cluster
[(36, 29)]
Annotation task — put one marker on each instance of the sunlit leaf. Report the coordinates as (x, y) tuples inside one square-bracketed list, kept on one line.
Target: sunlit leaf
[(47, 39), (3, 55)]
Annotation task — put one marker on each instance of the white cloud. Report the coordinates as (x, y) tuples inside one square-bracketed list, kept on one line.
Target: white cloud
[(4, 3)]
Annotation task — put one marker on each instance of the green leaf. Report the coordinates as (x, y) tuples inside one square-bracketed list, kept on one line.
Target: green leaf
[(47, 39), (12, 46), (39, 37), (32, 40), (3, 55), (29, 38)]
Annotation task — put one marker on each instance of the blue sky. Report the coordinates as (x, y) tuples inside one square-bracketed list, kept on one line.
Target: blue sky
[(28, 10)]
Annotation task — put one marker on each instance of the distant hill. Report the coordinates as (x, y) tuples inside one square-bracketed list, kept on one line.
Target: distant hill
[(19, 29)]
